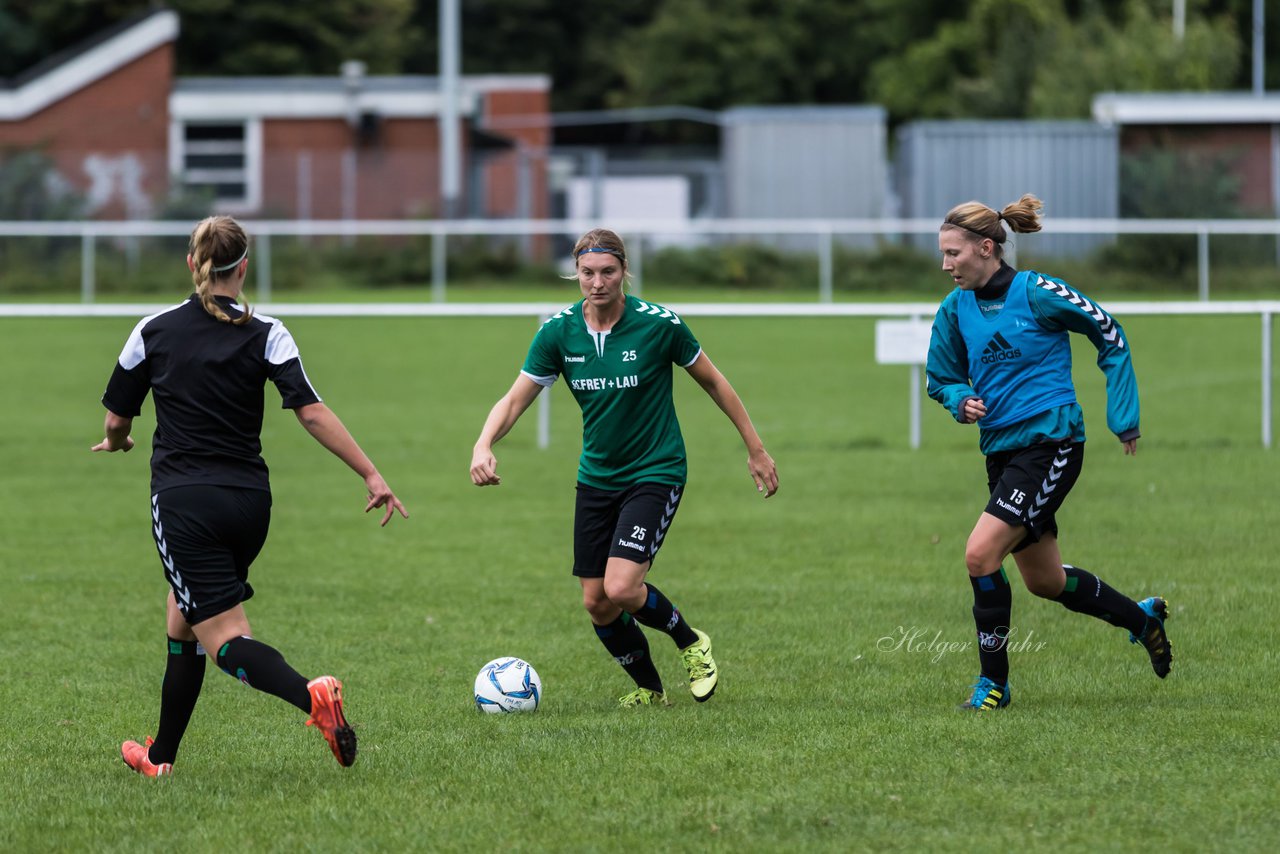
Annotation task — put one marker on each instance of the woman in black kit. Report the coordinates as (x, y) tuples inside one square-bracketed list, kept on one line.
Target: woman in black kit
[(206, 361)]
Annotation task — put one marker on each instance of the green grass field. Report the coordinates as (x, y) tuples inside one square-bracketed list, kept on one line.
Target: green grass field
[(825, 734)]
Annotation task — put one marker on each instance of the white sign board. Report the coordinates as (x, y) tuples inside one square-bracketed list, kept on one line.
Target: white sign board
[(902, 342)]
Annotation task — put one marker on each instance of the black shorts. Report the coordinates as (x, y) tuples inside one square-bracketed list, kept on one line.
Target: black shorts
[(630, 523), (1029, 485), (207, 537)]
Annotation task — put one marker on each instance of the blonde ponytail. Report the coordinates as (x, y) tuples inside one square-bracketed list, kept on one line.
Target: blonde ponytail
[(218, 245), (984, 223)]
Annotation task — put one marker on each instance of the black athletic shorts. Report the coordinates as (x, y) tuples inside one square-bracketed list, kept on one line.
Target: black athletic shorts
[(1029, 485), (629, 523), (207, 536)]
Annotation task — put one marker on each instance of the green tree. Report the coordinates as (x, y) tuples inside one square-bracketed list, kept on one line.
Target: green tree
[(718, 53), (33, 30), (576, 45), (1043, 58), (981, 66), (1137, 53), (244, 37), (224, 37)]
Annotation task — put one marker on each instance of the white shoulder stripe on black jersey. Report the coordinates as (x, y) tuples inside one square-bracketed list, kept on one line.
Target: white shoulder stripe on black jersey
[(280, 344), (135, 348), (1110, 332)]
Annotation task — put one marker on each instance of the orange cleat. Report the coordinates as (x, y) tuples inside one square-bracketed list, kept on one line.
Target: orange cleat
[(326, 716), (136, 757)]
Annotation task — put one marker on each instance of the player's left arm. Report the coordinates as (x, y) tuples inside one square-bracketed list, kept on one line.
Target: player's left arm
[(763, 470), (327, 428), (1057, 305)]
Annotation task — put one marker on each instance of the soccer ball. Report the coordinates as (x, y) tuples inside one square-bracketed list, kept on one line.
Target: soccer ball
[(508, 685)]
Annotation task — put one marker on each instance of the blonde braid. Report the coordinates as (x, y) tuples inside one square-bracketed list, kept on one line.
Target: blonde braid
[(213, 237)]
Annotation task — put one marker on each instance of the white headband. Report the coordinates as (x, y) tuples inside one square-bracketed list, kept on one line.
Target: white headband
[(234, 263)]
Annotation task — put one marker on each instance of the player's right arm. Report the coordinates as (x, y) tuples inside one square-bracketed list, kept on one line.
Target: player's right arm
[(116, 429), (501, 419), (126, 390), (947, 368)]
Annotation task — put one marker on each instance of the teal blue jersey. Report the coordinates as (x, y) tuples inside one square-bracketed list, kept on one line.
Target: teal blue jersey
[(621, 379), (1043, 310)]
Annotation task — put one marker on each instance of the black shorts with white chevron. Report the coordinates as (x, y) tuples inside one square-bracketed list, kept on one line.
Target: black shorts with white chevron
[(207, 536), (629, 523), (1029, 485)]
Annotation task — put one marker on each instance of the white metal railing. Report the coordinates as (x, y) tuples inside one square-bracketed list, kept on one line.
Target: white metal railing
[(824, 232), (1265, 309)]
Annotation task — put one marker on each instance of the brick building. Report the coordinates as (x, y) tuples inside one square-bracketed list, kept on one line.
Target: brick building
[(1239, 129), (121, 129)]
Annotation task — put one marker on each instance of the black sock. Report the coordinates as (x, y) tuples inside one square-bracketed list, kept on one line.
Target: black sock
[(657, 612), (183, 678), (1085, 593), (629, 647), (260, 666), (992, 604)]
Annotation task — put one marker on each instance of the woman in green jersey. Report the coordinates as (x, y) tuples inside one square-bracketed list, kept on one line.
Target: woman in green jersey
[(615, 352)]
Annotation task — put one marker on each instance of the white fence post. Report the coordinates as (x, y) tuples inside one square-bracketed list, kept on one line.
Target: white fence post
[(438, 261), (1266, 379), (544, 407), (636, 264), (825, 264), (264, 266), (906, 342), (1202, 259), (86, 267)]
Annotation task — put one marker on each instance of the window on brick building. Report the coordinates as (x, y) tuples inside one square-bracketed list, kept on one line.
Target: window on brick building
[(222, 157)]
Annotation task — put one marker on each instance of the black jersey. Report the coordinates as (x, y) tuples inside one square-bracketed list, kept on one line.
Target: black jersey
[(208, 378)]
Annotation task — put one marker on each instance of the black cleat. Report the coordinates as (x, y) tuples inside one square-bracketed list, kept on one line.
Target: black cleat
[(1153, 637)]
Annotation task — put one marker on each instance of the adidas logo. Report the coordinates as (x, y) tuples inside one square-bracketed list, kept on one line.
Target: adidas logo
[(999, 350)]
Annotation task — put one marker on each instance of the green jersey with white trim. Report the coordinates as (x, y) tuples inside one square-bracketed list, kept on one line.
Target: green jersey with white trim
[(622, 381)]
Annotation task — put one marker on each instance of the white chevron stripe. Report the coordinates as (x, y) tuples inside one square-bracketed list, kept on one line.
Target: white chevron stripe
[(673, 501), (1106, 324), (181, 594), (649, 308)]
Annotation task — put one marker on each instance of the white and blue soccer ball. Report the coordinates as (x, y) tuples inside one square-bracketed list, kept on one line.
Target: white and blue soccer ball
[(508, 685)]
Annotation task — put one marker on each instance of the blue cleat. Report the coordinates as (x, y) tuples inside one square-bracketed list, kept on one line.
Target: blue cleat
[(1153, 638), (987, 696)]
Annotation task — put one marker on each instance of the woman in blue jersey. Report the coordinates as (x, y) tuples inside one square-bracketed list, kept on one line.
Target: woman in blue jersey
[(205, 362), (616, 354), (1000, 357)]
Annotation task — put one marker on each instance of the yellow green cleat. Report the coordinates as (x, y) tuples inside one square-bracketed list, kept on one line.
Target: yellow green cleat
[(703, 673), (644, 697)]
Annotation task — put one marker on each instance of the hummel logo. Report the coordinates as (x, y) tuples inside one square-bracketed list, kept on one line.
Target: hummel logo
[(999, 350), (575, 358)]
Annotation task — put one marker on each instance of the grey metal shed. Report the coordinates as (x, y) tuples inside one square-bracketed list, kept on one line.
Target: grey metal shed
[(1073, 166), (788, 162)]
